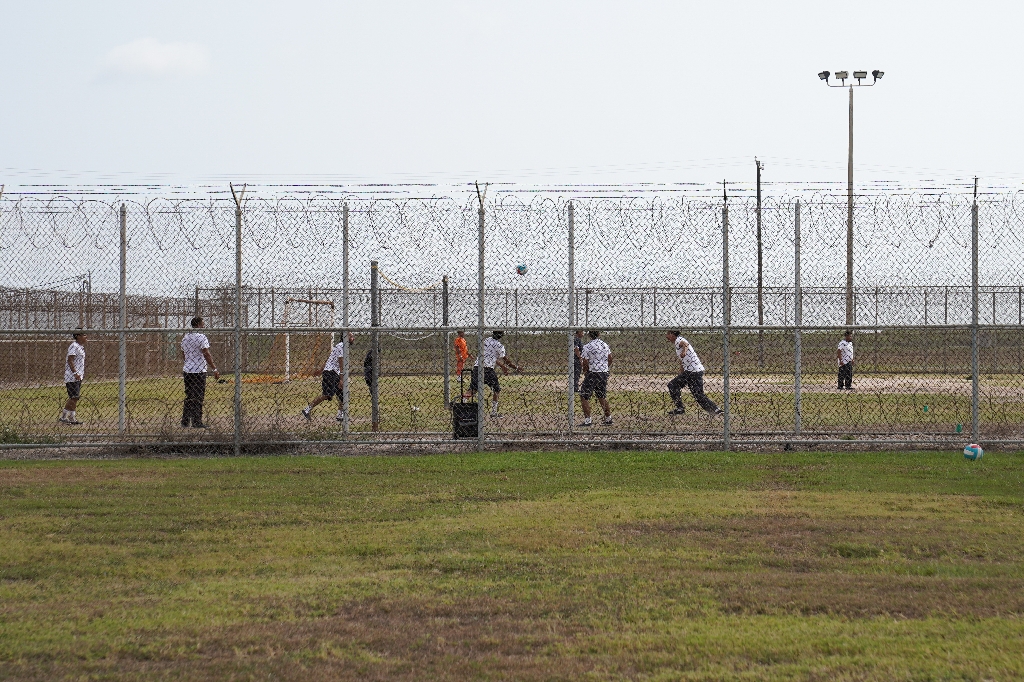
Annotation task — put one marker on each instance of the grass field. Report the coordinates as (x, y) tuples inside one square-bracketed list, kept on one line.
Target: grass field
[(625, 565), (919, 404)]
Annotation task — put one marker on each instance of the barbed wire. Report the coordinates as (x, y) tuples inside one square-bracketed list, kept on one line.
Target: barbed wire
[(644, 261)]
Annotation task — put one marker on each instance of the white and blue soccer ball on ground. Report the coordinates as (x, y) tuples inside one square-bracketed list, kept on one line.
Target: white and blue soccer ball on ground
[(521, 269), (973, 452)]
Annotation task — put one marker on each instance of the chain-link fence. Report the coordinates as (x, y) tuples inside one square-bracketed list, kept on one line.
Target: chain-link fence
[(723, 319)]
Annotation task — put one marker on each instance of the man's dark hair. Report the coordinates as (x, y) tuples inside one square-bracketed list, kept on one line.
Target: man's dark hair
[(497, 333), (848, 332), (76, 333), (674, 332), (594, 333), (196, 321)]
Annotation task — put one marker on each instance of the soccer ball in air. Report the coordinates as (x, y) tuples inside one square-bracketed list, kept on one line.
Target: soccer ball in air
[(520, 269), (973, 452)]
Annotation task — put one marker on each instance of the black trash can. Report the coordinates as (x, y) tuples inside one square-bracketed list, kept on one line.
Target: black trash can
[(465, 419)]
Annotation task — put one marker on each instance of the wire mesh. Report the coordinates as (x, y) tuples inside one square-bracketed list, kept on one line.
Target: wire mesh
[(642, 266)]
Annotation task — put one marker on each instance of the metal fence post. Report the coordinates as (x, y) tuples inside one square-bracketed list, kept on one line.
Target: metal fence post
[(122, 339), (974, 316), (726, 319), (238, 328), (447, 342), (798, 320), (374, 347), (481, 386), (571, 387), (345, 397)]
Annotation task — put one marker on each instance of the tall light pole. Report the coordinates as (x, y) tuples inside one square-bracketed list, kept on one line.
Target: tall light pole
[(760, 279), (843, 76)]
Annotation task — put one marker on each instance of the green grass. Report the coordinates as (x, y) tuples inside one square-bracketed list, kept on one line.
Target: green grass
[(626, 565), (531, 403)]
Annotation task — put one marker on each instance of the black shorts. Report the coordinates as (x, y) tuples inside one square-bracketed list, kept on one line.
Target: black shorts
[(74, 389), (329, 384), (490, 379), (595, 383)]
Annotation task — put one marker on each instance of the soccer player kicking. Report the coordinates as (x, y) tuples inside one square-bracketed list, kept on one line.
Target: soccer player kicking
[(331, 382), (691, 375), (844, 357), (74, 372), (195, 348), (596, 358), (493, 356)]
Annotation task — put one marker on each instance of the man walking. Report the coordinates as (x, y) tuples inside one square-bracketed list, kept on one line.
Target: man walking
[(493, 356), (74, 372), (844, 357), (596, 359), (691, 376), (331, 382), (195, 348)]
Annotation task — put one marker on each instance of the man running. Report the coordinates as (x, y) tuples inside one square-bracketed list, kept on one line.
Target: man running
[(691, 375), (74, 372), (596, 358), (195, 348), (493, 356), (844, 357), (331, 382)]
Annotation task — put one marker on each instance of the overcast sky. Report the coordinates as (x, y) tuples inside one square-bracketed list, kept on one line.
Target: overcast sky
[(552, 91)]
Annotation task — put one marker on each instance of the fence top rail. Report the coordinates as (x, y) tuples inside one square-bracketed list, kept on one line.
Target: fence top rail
[(527, 329)]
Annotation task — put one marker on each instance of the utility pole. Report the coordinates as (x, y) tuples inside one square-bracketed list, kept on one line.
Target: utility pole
[(760, 273), (849, 221), (843, 76)]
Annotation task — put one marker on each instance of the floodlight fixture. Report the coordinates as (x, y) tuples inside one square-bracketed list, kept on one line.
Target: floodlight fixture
[(825, 74), (877, 75), (842, 75), (860, 75)]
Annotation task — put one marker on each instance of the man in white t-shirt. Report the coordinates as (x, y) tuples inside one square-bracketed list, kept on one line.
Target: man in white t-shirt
[(195, 349), (691, 376), (331, 381), (596, 358), (493, 357), (844, 357), (74, 372)]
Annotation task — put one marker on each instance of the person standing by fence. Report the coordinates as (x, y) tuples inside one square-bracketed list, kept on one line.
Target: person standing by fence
[(461, 351), (195, 349), (74, 372), (844, 357), (596, 358), (577, 360), (691, 375)]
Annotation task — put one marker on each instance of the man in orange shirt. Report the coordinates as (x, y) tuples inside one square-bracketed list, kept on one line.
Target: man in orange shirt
[(461, 352)]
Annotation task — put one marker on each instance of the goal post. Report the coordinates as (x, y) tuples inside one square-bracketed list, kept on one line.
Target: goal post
[(289, 306)]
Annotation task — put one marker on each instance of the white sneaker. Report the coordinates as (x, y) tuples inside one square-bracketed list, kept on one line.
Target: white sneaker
[(606, 421), (307, 414)]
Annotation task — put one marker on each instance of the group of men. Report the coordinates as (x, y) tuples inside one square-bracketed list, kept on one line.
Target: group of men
[(592, 363), (196, 364)]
